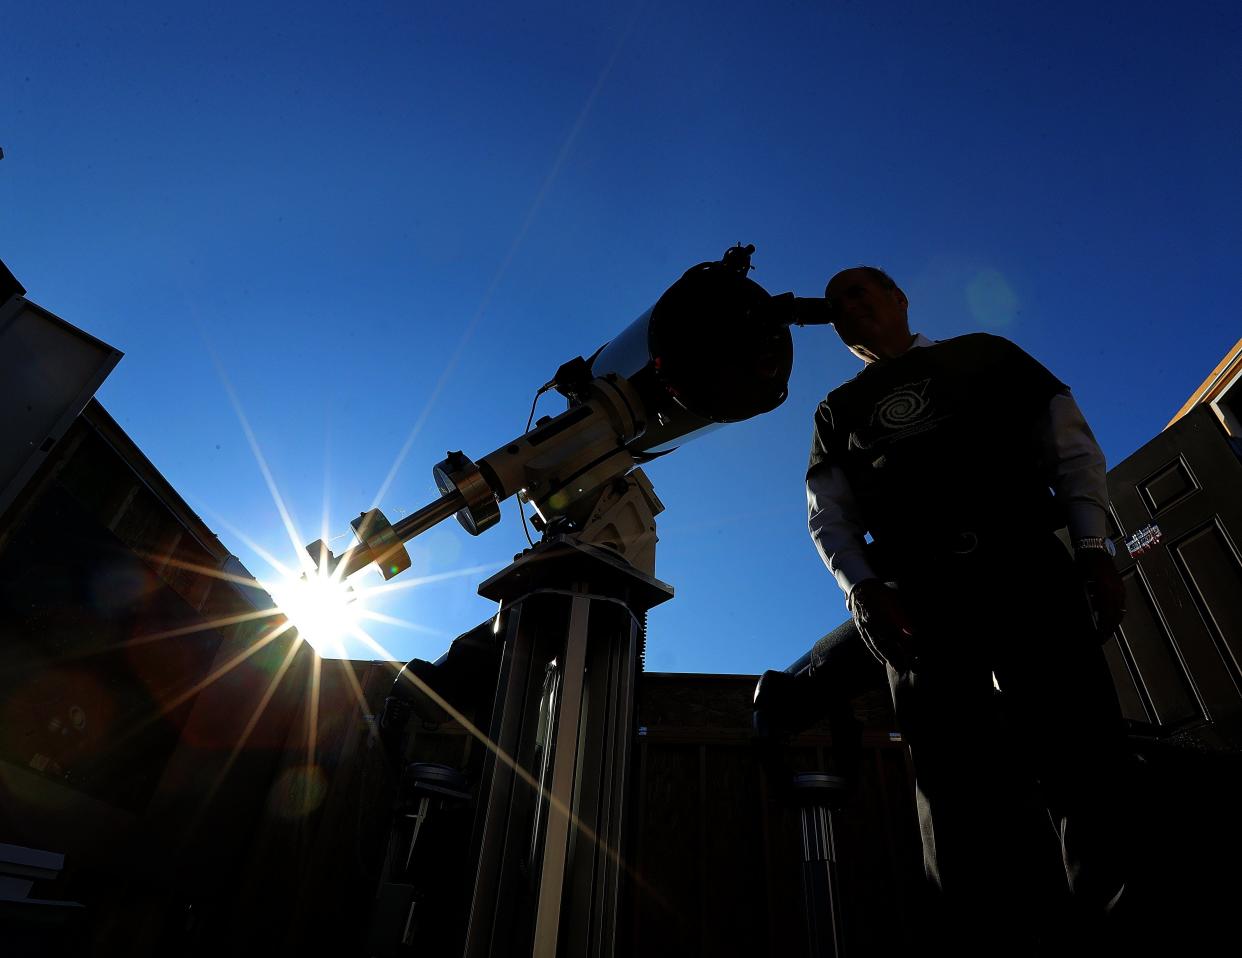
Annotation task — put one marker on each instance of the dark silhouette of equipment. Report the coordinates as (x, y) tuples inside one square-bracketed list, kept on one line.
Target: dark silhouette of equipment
[(418, 901), (714, 349), (561, 657), (818, 796), (820, 685)]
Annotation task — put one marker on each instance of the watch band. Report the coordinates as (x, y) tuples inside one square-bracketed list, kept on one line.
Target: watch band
[(1096, 542)]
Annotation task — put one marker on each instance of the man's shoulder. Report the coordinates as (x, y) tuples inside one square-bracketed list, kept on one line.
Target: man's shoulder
[(967, 348), (981, 342), (845, 387), (979, 350), (1006, 364), (930, 352)]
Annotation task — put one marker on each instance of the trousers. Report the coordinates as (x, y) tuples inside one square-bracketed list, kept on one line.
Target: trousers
[(1012, 615)]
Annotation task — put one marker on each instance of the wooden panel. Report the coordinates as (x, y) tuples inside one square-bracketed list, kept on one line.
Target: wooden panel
[(668, 897), (1160, 678), (1125, 679), (1209, 562), (1169, 486), (735, 919)]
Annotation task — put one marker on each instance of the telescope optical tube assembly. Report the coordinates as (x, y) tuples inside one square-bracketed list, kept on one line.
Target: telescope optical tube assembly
[(712, 350)]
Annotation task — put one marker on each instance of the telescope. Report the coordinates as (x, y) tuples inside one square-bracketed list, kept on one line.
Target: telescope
[(559, 661), (714, 349)]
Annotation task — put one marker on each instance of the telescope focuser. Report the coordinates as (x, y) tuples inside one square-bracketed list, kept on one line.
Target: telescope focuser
[(790, 310), (737, 258)]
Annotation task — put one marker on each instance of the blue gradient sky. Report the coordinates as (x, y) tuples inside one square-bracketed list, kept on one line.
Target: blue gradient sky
[(388, 223)]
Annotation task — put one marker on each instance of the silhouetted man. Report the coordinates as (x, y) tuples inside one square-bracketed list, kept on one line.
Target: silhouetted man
[(959, 459)]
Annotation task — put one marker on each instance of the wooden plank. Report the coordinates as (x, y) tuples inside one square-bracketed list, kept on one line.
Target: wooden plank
[(735, 906), (666, 895)]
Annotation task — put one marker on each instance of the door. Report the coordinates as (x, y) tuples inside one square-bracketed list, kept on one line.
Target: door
[(1177, 506)]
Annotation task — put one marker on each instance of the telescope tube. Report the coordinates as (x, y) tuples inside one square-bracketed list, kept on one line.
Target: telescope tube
[(707, 353)]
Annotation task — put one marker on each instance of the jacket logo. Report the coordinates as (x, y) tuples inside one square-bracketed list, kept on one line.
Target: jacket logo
[(906, 411), (904, 406)]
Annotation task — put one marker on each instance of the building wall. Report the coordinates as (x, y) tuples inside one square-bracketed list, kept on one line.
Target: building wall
[(131, 734)]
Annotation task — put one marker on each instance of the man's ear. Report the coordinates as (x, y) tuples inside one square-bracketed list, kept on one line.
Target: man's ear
[(900, 296)]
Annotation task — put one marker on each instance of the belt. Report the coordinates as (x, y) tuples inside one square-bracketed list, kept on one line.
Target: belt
[(947, 543), (961, 543)]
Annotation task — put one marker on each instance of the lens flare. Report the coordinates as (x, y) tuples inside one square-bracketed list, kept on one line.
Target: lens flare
[(323, 609)]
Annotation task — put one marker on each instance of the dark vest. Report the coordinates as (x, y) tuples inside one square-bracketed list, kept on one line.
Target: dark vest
[(943, 438)]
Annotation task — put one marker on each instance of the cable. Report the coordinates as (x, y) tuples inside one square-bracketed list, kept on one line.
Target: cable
[(525, 528), (534, 402), (529, 419)]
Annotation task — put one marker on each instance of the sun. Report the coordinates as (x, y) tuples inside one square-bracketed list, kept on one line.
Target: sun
[(324, 610)]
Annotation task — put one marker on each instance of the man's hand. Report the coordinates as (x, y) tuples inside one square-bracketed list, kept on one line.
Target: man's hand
[(885, 626), (1105, 590)]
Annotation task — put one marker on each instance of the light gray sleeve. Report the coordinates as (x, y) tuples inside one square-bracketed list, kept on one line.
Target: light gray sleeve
[(1076, 468), (836, 529)]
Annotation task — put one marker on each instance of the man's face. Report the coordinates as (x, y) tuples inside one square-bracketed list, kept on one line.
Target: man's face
[(865, 312)]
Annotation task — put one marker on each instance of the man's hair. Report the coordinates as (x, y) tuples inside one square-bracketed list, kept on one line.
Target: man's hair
[(876, 274), (879, 276)]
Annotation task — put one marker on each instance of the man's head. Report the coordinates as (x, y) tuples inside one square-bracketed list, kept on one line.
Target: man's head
[(869, 313)]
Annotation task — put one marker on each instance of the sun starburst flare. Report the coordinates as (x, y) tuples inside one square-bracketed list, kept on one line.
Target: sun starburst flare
[(311, 596), (313, 603), (323, 609)]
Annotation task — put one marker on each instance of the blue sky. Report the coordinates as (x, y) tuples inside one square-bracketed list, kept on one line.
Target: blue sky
[(388, 223)]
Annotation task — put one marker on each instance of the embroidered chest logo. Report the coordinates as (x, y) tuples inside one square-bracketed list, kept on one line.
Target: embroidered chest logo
[(905, 411)]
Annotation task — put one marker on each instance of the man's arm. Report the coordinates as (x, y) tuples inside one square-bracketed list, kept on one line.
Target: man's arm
[(838, 533), (836, 528), (1076, 468), (1078, 475)]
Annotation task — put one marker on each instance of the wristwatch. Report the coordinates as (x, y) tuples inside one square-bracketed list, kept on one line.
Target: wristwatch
[(1095, 542)]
